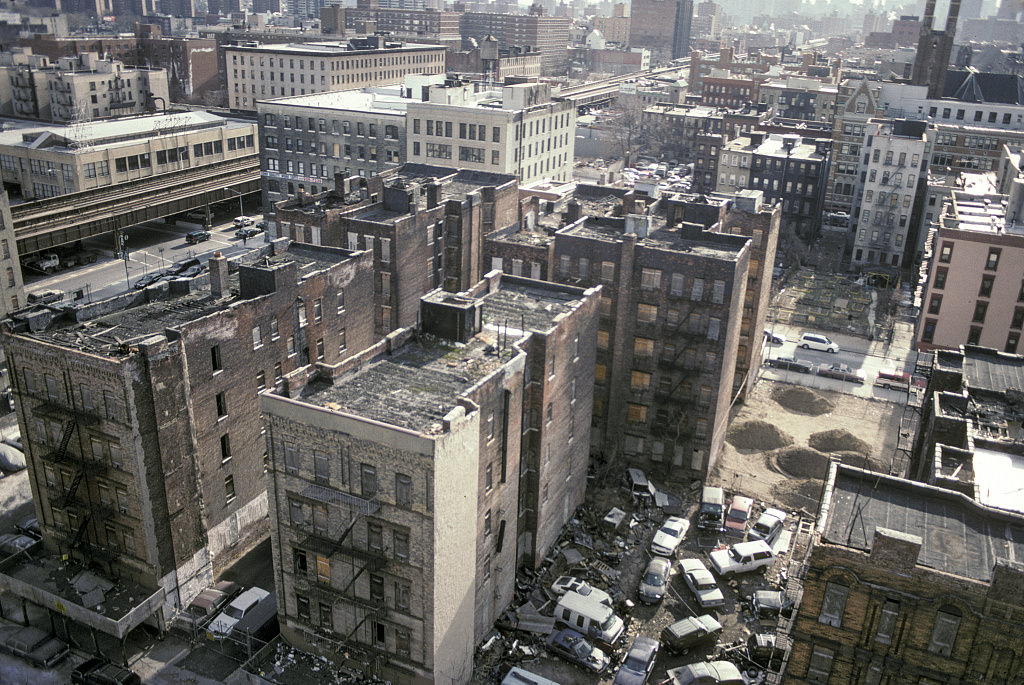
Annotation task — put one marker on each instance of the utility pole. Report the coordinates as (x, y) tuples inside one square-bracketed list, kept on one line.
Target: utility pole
[(122, 242)]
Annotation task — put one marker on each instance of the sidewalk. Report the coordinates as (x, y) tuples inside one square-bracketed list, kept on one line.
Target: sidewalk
[(900, 350)]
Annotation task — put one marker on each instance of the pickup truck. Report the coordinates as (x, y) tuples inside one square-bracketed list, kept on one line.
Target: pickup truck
[(31, 643), (47, 263), (894, 380)]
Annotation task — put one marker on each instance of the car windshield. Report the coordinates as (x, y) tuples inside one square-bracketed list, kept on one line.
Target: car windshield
[(654, 578), (738, 515), (734, 554), (582, 649), (668, 530), (705, 584), (635, 663), (584, 589), (234, 612), (761, 528), (608, 623)]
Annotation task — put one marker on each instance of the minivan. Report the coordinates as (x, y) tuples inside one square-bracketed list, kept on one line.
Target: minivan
[(814, 341), (637, 484), (712, 509), (589, 617)]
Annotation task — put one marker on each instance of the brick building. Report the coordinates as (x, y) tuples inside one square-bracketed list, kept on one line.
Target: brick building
[(909, 583), (661, 26), (421, 25), (425, 226), (547, 35), (12, 283), (139, 414), (857, 102), (724, 89), (409, 484), (670, 319)]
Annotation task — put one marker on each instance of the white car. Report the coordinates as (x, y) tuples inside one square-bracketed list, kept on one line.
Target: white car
[(565, 584), (669, 536), (243, 221), (742, 557), (816, 341), (768, 527), (701, 583), (242, 605)]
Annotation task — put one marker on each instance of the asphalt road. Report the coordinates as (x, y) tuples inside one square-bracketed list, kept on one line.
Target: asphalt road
[(152, 247)]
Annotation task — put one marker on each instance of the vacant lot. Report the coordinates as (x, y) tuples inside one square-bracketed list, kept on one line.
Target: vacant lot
[(779, 442)]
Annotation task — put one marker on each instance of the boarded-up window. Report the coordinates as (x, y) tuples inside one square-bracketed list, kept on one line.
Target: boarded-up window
[(947, 624), (833, 604)]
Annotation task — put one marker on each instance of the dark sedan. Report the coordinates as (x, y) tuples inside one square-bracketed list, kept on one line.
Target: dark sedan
[(790, 364), (573, 647), (841, 372), (639, 663), (683, 635)]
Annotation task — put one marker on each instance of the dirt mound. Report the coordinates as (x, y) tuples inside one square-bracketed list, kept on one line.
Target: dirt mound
[(757, 435), (839, 440), (802, 462), (802, 400), (797, 494)]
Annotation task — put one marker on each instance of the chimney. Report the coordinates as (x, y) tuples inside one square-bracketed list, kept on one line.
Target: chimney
[(218, 275), (433, 193), (573, 214)]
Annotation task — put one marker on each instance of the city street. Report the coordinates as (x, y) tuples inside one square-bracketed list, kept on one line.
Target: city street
[(151, 246)]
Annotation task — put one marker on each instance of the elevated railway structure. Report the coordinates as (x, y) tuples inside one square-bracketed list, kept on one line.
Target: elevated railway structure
[(604, 91), (55, 221)]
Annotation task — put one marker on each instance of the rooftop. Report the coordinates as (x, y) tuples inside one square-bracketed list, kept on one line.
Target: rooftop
[(958, 535), (328, 48), (381, 100), (95, 134), (141, 317)]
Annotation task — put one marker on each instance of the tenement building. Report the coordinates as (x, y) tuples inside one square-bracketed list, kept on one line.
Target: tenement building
[(673, 289), (424, 225), (408, 484), (909, 583), (140, 418), (972, 292), (518, 130), (260, 72)]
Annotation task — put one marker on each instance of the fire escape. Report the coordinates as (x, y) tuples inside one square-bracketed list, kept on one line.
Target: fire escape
[(76, 498), (319, 541)]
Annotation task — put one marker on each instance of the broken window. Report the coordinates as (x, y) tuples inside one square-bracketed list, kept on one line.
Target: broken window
[(302, 607)]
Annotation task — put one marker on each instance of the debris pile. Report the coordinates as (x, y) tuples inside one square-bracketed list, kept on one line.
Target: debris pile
[(801, 462), (839, 440), (757, 435), (801, 400)]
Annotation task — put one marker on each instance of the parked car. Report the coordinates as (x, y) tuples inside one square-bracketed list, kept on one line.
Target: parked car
[(654, 580), (669, 536), (194, 237), (11, 458), (241, 606), (711, 515), (32, 644), (769, 526), (637, 484), (49, 263), (148, 280), (520, 676), (766, 651), (738, 512), (683, 635), (841, 372), (701, 583), (197, 217), (771, 603), (46, 297), (261, 226), (243, 221), (30, 527), (182, 266), (816, 341), (207, 603), (706, 673), (565, 584), (247, 232), (742, 557), (12, 543), (774, 338), (97, 671), (790, 364), (572, 646), (639, 661), (893, 380)]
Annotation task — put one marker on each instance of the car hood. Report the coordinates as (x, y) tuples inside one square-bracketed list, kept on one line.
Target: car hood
[(628, 677), (222, 625), (664, 540)]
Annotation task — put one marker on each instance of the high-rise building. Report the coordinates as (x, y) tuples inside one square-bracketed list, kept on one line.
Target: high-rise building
[(662, 26), (141, 422), (548, 35), (409, 486)]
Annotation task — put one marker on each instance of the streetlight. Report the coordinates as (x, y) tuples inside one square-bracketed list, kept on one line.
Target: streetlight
[(241, 210)]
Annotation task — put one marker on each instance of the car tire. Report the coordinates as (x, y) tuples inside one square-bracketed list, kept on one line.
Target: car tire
[(831, 351), (806, 346)]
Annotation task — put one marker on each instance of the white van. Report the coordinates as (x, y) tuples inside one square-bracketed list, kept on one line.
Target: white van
[(589, 617), (520, 676), (814, 341)]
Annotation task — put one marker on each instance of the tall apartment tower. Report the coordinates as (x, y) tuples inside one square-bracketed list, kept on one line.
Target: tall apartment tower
[(662, 26), (408, 485), (933, 50), (141, 423)]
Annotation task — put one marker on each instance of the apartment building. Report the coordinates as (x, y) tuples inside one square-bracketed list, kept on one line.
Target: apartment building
[(894, 593), (47, 161), (266, 71), (307, 140), (520, 130), (856, 104), (788, 168), (547, 35), (799, 98), (406, 488), (890, 195), (420, 25), (661, 26), (425, 226), (190, 63), (77, 89), (724, 89), (140, 417), (975, 270), (12, 284), (487, 62), (751, 217), (614, 29)]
